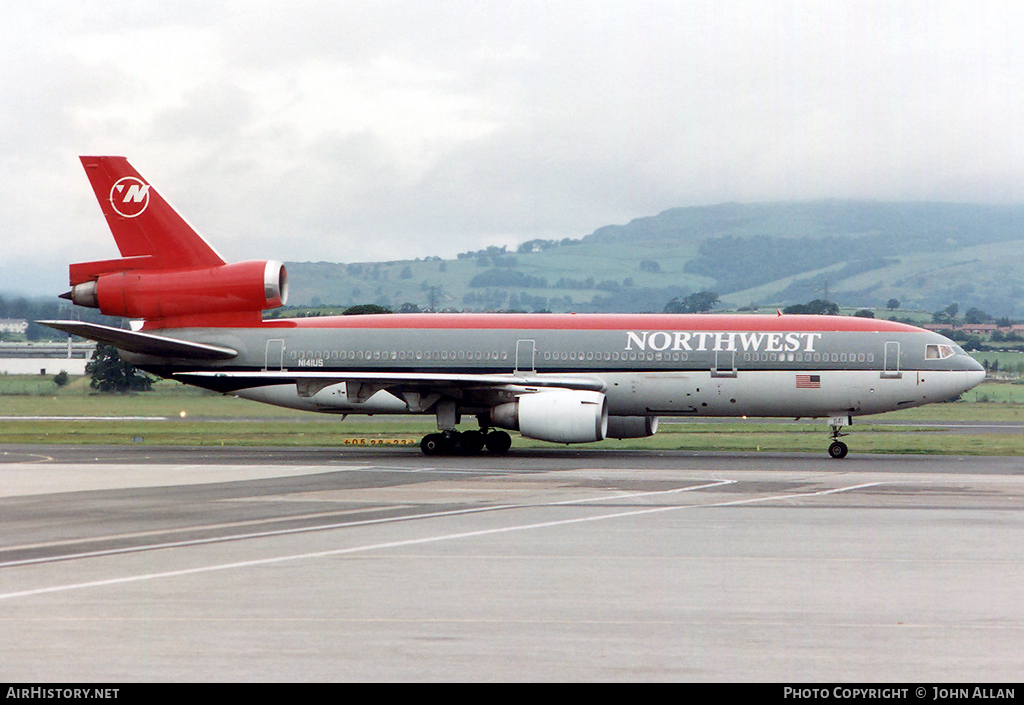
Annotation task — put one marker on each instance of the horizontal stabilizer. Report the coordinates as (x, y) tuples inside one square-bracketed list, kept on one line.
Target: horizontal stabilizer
[(143, 343)]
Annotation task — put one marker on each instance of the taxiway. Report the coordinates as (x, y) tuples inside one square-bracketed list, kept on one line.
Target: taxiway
[(150, 564)]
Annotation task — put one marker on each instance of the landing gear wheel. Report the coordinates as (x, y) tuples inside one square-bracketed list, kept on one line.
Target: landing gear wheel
[(498, 442), (838, 450), (452, 443), (433, 444), (473, 442)]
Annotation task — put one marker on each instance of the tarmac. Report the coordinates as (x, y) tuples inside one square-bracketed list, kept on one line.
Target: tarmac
[(132, 564)]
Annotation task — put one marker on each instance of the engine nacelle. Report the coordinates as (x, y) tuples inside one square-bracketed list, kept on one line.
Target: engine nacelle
[(559, 416), (632, 426), (154, 294)]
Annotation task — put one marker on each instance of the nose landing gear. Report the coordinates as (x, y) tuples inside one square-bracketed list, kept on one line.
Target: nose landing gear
[(838, 449)]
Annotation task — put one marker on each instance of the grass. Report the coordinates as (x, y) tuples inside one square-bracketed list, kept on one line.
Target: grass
[(382, 282), (180, 415), (1009, 361), (864, 440)]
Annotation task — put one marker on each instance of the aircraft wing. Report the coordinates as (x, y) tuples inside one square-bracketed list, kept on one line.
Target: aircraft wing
[(361, 385), (143, 343)]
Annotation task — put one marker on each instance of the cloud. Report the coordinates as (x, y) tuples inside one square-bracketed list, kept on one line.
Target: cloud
[(369, 130)]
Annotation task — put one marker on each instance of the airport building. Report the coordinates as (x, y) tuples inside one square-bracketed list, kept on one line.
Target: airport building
[(45, 358), (13, 325)]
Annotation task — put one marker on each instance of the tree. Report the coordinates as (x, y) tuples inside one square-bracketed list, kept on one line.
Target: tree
[(946, 315), (865, 313), (973, 342), (976, 315), (363, 309), (892, 304), (508, 277), (701, 302), (536, 246), (816, 307), (111, 374)]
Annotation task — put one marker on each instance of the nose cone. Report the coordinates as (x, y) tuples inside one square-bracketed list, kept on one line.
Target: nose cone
[(975, 373), (975, 377), (975, 366)]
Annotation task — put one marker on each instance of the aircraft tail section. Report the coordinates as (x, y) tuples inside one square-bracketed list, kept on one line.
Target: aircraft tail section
[(167, 274), (149, 233)]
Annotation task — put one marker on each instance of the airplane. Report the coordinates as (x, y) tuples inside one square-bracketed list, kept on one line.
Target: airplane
[(562, 378)]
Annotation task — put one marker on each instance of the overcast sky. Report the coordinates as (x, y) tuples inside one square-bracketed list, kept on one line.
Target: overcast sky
[(349, 131)]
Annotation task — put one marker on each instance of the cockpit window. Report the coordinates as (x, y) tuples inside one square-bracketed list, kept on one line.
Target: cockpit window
[(938, 352)]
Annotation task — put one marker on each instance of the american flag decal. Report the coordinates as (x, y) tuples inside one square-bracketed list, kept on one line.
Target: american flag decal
[(808, 381)]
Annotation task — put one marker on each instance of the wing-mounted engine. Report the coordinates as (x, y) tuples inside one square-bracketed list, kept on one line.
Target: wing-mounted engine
[(632, 426), (558, 416), (174, 294)]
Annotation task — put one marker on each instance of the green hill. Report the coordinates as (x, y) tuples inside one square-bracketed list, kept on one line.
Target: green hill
[(927, 255)]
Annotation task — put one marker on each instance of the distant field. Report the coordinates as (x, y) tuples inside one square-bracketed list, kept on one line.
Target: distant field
[(180, 415), (858, 253), (1011, 363), (39, 396)]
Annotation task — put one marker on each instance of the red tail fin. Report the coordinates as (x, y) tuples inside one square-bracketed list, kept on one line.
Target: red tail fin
[(149, 233), (167, 274)]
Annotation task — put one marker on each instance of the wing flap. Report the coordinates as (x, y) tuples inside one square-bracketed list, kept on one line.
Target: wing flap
[(143, 343)]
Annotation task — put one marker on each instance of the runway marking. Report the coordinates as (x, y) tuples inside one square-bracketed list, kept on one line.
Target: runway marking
[(180, 530), (952, 424), (152, 619), (299, 530), (41, 458), (423, 541), (85, 418)]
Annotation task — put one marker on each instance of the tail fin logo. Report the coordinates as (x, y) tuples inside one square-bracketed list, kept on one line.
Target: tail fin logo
[(129, 196)]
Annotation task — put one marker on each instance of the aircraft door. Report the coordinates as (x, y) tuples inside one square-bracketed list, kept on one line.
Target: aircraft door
[(725, 364), (275, 355), (891, 368), (526, 356)]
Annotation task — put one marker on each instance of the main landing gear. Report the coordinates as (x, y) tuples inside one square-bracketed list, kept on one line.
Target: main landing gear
[(466, 443), (838, 449)]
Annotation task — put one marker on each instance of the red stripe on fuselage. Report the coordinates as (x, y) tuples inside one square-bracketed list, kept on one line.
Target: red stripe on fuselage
[(600, 321)]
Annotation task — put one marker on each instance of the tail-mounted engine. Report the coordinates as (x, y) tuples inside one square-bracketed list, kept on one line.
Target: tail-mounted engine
[(174, 294), (167, 274)]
